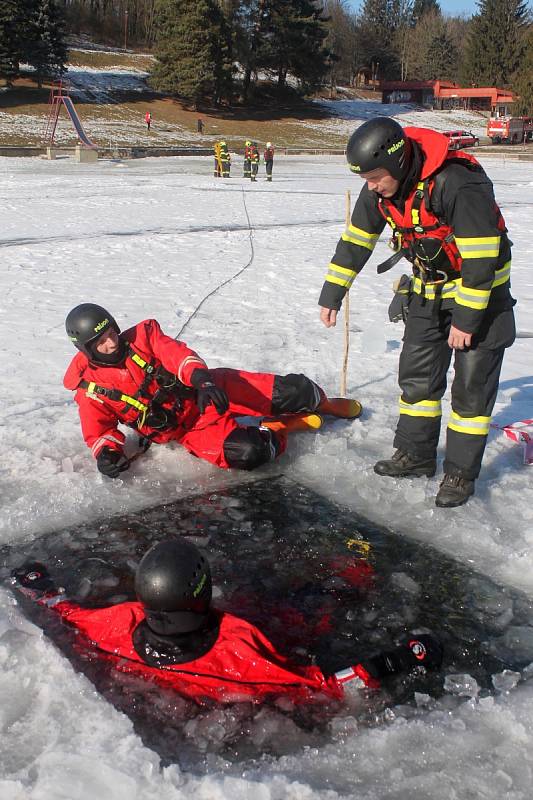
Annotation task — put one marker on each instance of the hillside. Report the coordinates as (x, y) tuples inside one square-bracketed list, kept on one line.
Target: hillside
[(112, 95)]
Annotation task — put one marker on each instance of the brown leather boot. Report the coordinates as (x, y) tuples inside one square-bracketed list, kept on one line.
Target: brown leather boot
[(341, 407), (291, 423), (454, 491), (403, 465)]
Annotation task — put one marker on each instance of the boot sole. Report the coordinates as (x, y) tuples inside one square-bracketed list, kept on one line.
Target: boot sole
[(440, 504), (410, 474)]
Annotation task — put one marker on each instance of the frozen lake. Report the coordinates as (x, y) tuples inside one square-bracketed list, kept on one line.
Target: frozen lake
[(154, 238)]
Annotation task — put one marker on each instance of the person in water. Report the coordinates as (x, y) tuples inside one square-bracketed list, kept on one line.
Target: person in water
[(173, 636)]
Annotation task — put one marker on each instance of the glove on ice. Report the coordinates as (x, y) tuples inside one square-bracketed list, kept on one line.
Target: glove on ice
[(111, 462)]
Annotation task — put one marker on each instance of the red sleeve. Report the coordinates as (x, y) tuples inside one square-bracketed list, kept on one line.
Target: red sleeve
[(98, 424), (174, 356)]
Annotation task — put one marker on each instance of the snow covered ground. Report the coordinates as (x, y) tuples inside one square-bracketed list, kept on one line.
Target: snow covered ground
[(153, 238)]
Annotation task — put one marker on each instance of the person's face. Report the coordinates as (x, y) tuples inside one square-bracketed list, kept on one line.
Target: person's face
[(107, 343), (381, 182)]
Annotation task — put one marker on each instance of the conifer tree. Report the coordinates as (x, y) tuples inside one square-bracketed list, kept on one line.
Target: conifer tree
[(294, 32), (441, 58), (9, 39), (496, 42), (44, 46), (193, 50), (523, 80)]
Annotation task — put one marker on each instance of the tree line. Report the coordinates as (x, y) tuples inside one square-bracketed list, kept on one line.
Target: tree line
[(218, 50)]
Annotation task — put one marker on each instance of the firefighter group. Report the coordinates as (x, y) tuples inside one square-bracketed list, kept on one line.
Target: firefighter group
[(251, 160), (456, 302)]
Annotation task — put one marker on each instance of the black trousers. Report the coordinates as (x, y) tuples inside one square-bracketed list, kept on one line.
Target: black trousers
[(424, 363)]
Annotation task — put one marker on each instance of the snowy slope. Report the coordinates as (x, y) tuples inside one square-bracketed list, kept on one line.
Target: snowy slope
[(153, 238)]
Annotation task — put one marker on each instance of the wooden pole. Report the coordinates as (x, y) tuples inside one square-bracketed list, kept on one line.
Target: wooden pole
[(346, 309)]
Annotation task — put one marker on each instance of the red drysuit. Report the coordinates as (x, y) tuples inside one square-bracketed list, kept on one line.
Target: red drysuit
[(242, 665), (203, 435)]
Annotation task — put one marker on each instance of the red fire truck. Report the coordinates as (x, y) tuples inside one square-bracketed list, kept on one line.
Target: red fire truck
[(510, 130)]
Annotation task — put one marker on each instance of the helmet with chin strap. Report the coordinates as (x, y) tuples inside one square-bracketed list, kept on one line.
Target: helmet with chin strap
[(173, 582), (85, 324), (380, 143)]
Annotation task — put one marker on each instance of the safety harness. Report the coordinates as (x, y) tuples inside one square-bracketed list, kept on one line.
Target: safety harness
[(436, 259), (150, 413)]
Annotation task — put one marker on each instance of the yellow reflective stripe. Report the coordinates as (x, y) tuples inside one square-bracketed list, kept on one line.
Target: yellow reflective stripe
[(431, 290), (91, 387), (478, 246), (360, 237), (452, 289), (424, 408), (472, 298), (502, 275), (340, 275), (138, 360), (477, 426), (131, 401)]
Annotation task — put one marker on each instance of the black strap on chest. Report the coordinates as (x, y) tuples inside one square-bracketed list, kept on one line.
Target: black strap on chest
[(150, 408)]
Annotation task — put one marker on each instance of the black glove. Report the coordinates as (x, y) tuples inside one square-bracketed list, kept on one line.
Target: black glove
[(399, 307), (419, 651), (111, 462), (34, 575), (208, 392)]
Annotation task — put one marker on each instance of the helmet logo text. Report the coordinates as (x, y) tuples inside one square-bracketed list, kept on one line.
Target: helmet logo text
[(101, 325), (395, 146), (200, 585)]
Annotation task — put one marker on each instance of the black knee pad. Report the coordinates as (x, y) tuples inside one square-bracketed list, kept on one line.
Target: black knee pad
[(294, 393), (248, 448)]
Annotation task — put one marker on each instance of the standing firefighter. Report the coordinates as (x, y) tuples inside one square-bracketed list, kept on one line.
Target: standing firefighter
[(254, 160), (218, 163), (161, 388), (247, 164), (444, 219), (225, 160), (268, 157)]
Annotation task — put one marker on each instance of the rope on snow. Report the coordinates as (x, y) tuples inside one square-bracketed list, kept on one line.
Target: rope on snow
[(228, 280)]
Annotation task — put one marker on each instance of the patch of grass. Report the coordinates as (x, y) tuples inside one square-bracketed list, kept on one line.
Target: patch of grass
[(103, 60)]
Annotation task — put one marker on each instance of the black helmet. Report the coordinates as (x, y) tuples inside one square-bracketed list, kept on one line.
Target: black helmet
[(380, 143), (86, 323), (173, 582)]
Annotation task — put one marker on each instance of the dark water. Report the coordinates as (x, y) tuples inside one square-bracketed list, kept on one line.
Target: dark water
[(324, 584)]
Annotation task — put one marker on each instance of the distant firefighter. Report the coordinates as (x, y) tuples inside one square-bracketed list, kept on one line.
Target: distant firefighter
[(268, 158), (254, 160), (148, 119), (225, 160), (247, 165)]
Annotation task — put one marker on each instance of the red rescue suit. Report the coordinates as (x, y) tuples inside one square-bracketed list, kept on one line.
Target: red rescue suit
[(203, 435), (242, 665)]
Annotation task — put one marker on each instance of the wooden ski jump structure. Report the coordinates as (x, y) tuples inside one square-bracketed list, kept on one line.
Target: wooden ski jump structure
[(59, 97)]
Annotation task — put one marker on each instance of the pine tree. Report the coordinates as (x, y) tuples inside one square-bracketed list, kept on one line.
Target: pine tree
[(421, 7), (193, 50), (496, 42), (44, 47), (523, 80), (440, 58), (380, 23), (294, 32), (9, 39)]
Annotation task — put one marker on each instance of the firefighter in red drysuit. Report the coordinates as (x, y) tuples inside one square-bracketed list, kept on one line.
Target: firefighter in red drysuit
[(440, 206), (163, 389), (268, 157), (172, 637)]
